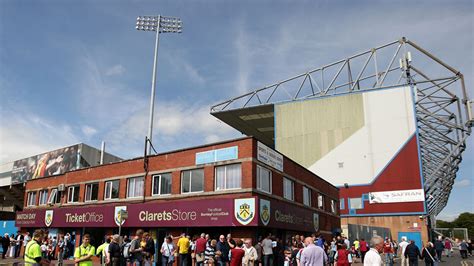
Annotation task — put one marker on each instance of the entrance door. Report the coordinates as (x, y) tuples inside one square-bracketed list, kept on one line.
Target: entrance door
[(415, 236)]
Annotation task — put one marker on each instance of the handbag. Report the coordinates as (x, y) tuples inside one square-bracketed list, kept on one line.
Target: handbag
[(171, 257)]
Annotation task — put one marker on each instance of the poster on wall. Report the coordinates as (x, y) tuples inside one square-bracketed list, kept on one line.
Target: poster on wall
[(46, 164), (412, 195)]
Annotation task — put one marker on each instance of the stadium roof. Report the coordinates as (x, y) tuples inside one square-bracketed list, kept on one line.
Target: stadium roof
[(443, 109)]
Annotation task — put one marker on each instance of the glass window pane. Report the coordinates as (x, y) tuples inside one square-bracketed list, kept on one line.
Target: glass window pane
[(115, 189), (197, 180), (108, 190), (220, 177), (165, 184), (186, 181), (76, 194), (156, 185), (233, 176), (95, 192), (355, 203), (138, 187)]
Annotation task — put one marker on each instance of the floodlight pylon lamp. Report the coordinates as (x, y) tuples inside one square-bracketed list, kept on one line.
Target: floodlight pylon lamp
[(158, 25)]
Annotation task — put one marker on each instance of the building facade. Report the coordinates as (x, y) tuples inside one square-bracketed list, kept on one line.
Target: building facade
[(240, 186)]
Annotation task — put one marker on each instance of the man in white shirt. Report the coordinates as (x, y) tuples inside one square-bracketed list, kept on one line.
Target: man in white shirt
[(372, 257), (403, 245)]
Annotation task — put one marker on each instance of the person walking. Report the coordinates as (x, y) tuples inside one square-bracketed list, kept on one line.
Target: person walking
[(114, 251), (84, 253), (148, 248), (136, 250), (402, 246), (167, 252), (102, 251), (388, 251), (312, 255), (463, 247), (33, 254), (343, 256), (237, 254), (5, 244), (251, 256), (19, 244), (439, 247), (412, 252), (222, 250), (267, 251), (363, 248), (447, 247), (183, 249), (372, 257), (200, 249), (428, 254)]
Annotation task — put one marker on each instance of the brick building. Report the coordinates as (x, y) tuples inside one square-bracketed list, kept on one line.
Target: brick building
[(238, 186)]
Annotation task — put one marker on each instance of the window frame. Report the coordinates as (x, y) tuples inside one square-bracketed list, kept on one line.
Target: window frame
[(86, 190), (109, 197), (225, 177), (41, 197), (350, 200), (309, 192), (31, 196), (190, 181), (159, 184), (259, 187), (54, 192), (74, 187), (128, 187), (287, 181), (334, 206)]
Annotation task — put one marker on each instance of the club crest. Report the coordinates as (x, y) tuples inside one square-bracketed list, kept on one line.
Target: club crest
[(48, 217), (265, 211), (118, 220), (316, 221), (244, 210)]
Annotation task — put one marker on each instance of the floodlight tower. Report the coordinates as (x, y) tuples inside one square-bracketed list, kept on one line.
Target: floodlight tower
[(159, 24)]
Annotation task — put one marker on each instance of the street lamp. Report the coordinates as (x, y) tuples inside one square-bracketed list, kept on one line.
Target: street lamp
[(159, 24)]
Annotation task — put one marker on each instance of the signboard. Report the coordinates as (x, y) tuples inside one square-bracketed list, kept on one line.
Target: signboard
[(412, 195), (269, 157), (281, 215), (46, 164), (192, 213), (213, 156)]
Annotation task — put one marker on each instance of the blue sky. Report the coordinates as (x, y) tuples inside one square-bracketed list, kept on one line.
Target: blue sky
[(78, 71)]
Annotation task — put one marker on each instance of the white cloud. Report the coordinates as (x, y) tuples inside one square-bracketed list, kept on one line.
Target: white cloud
[(88, 131), (26, 134), (462, 183), (115, 70)]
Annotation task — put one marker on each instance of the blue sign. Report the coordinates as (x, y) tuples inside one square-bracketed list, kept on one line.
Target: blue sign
[(219, 155)]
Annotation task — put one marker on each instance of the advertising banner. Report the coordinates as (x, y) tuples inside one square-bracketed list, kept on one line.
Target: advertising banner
[(193, 213), (276, 214), (270, 157), (411, 195), (46, 164)]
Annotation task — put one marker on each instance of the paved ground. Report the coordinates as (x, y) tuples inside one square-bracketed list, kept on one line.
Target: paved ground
[(452, 261)]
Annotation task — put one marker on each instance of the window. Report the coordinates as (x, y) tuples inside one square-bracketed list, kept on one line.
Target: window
[(92, 192), (31, 201), (341, 204), (162, 184), (288, 188), (355, 203), (192, 181), (306, 196), (228, 176), (55, 196), (135, 187), (111, 189), (320, 201), (43, 197), (264, 179), (73, 194), (333, 206)]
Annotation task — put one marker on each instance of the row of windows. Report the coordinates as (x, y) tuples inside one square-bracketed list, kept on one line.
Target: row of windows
[(264, 183), (192, 181)]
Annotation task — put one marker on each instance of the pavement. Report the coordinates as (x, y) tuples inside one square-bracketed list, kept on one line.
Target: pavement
[(456, 260)]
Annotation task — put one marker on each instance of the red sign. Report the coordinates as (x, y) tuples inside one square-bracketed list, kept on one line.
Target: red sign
[(191, 213)]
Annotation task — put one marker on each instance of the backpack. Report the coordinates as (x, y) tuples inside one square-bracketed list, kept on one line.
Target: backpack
[(126, 250)]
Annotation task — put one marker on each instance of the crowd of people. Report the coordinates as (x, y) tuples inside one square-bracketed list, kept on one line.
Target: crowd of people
[(203, 250)]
